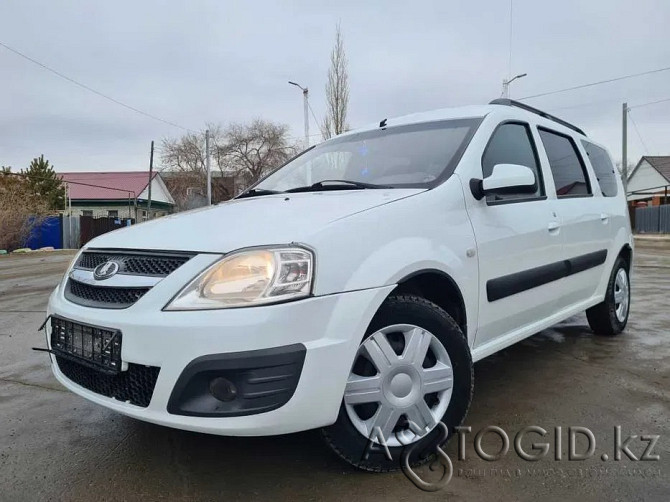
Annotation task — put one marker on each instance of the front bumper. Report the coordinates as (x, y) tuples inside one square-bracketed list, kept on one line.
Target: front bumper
[(329, 327)]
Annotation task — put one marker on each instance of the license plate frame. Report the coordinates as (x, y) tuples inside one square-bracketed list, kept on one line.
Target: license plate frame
[(94, 346)]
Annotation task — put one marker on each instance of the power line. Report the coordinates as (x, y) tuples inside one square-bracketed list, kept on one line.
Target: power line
[(509, 60), (316, 121), (646, 149), (650, 103), (632, 75), (90, 89), (583, 105)]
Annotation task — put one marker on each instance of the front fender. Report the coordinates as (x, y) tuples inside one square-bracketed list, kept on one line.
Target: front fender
[(379, 247)]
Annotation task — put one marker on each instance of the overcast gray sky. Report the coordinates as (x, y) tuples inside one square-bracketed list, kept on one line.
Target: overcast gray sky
[(220, 61)]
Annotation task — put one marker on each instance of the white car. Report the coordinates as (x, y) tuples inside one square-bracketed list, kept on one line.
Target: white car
[(353, 288)]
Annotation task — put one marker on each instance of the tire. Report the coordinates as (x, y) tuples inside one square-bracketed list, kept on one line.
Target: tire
[(408, 323), (609, 318)]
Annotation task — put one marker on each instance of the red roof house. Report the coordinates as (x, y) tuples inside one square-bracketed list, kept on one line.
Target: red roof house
[(122, 194)]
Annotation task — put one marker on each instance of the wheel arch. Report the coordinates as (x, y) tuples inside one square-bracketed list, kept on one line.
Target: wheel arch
[(438, 287), (626, 253)]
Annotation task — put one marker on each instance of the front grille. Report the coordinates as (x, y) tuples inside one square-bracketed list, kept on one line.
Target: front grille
[(136, 385), (158, 264), (102, 297)]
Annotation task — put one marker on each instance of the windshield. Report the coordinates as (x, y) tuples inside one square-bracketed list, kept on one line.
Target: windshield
[(418, 155)]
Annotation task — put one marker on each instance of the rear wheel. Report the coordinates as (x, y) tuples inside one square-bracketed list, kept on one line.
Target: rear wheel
[(412, 370), (610, 317)]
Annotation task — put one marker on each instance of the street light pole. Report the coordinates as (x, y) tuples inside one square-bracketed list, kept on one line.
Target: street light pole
[(305, 95), (506, 83)]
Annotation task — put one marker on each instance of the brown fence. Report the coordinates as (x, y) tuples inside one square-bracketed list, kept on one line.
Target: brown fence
[(91, 227)]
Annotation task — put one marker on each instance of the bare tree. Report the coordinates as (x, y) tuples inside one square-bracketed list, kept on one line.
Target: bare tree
[(249, 151), (240, 155), (337, 90), (184, 169)]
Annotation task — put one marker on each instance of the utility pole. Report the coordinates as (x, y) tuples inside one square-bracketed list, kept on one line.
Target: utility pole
[(305, 95), (69, 213), (151, 172), (66, 245), (624, 147), (305, 98), (209, 171)]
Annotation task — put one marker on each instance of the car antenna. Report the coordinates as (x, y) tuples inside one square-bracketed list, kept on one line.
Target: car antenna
[(383, 123)]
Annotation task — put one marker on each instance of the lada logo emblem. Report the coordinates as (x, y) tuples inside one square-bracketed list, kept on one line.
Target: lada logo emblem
[(105, 270)]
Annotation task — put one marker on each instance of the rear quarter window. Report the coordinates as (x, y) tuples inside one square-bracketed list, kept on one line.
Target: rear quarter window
[(603, 168), (566, 165)]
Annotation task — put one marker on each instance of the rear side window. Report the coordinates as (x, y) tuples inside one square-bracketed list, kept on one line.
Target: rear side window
[(602, 167), (566, 165), (511, 143)]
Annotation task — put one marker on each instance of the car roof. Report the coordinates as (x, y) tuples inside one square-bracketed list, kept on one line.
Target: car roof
[(499, 111), (461, 112)]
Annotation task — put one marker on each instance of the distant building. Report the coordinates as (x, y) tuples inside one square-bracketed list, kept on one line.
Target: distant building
[(117, 194), (649, 181)]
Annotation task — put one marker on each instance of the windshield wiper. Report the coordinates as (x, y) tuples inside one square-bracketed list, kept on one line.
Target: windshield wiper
[(335, 185), (255, 192)]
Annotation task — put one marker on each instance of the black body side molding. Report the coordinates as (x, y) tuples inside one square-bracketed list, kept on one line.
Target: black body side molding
[(508, 285)]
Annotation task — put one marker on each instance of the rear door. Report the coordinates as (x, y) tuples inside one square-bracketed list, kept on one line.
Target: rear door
[(518, 239), (585, 222)]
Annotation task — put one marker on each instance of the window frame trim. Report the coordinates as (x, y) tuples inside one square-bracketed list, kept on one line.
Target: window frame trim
[(540, 174), (585, 171)]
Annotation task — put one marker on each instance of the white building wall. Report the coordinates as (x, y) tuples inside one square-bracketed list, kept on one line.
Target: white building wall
[(159, 192), (121, 211), (645, 177)]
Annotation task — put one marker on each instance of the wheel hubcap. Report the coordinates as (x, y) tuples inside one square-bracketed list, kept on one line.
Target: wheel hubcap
[(401, 373), (621, 295)]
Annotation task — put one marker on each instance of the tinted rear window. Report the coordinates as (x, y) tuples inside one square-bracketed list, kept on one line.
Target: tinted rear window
[(566, 165), (602, 167)]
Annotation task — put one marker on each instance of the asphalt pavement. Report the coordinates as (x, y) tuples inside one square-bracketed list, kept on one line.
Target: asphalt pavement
[(55, 445)]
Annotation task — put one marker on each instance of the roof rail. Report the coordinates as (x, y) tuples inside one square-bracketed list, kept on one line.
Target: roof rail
[(523, 106)]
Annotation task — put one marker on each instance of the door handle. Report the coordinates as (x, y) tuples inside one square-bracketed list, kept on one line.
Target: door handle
[(553, 226), (604, 217)]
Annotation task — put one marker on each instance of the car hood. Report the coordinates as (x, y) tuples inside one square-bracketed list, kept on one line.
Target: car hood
[(254, 221)]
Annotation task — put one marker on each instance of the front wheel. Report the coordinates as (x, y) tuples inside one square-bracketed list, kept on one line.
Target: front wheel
[(610, 317), (412, 371)]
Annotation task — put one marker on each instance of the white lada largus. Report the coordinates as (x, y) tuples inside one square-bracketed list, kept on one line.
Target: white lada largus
[(353, 288)]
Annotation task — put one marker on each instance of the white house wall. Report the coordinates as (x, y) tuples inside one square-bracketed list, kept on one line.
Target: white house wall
[(159, 192), (645, 177)]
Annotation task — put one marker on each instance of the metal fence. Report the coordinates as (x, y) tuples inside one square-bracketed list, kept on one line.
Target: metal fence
[(654, 219), (71, 232), (45, 232), (91, 227)]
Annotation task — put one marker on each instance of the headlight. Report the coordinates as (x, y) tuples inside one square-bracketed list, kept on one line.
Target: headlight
[(248, 278)]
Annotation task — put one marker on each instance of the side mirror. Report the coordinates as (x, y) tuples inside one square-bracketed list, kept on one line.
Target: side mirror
[(505, 178)]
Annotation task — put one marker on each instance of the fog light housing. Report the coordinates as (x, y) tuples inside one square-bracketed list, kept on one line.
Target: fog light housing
[(237, 384), (223, 389)]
